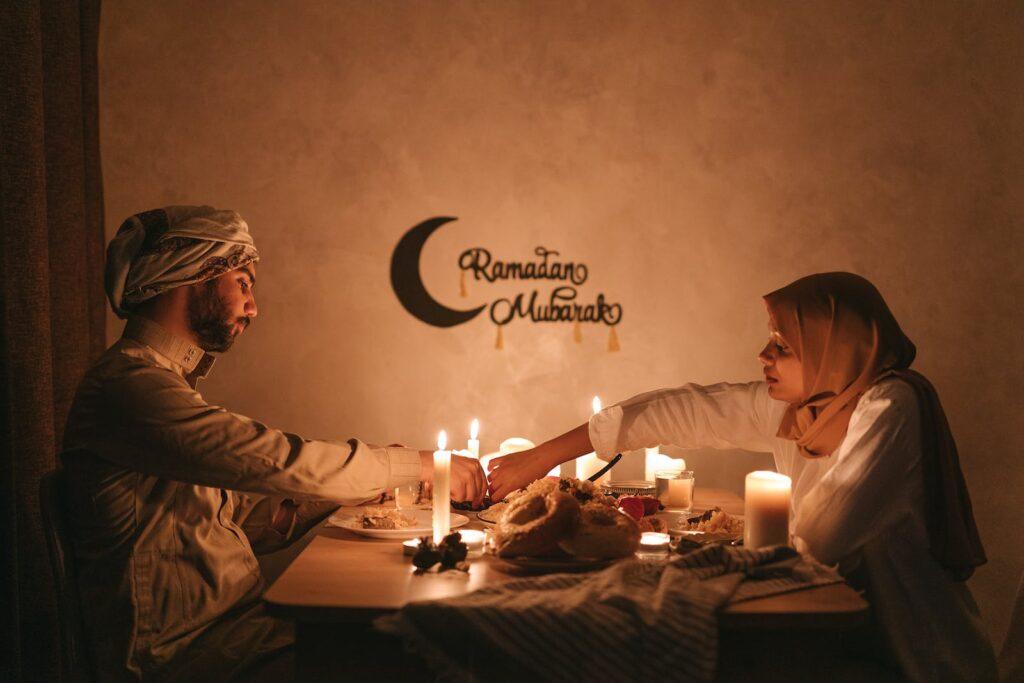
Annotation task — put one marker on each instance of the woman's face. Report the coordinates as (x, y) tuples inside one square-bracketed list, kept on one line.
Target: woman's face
[(782, 369)]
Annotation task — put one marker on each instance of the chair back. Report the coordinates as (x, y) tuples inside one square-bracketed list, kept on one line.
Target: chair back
[(75, 661)]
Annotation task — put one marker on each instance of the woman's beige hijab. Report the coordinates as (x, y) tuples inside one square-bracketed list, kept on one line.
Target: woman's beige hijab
[(846, 338)]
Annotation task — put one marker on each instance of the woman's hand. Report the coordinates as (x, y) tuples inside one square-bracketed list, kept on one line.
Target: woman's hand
[(468, 480), (516, 470)]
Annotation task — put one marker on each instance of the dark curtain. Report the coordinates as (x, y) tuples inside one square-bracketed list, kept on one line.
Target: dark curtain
[(51, 290)]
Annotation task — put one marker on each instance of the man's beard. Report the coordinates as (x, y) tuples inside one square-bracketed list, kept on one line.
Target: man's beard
[(210, 320)]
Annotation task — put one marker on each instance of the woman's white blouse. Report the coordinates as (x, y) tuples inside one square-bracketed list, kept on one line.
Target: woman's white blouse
[(861, 508)]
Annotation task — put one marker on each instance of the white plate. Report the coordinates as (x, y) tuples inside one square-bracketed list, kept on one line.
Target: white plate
[(492, 514), (703, 536), (424, 524)]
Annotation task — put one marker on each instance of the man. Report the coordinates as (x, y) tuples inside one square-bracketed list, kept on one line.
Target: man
[(172, 498)]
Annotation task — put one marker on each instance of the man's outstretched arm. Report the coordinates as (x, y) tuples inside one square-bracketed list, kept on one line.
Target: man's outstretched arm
[(164, 428)]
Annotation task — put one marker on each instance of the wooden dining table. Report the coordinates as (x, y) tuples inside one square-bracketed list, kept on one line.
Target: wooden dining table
[(342, 581)]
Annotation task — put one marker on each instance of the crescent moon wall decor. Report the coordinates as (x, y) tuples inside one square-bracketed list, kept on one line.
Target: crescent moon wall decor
[(561, 304), (407, 281)]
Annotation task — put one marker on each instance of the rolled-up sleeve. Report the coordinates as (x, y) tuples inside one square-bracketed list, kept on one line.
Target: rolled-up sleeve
[(166, 429), (690, 416)]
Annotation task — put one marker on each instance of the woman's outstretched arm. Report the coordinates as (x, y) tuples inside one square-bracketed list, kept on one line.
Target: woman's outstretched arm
[(690, 416), (516, 470)]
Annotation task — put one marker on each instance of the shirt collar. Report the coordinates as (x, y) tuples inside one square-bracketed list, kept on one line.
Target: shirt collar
[(193, 360)]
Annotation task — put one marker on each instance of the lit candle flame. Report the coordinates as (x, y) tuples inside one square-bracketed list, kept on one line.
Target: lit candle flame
[(474, 428), (596, 404), (442, 440)]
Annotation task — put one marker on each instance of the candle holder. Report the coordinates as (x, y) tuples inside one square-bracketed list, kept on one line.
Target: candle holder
[(653, 541), (654, 546), (473, 538)]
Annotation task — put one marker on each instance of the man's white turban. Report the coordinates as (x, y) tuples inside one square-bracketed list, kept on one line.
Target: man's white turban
[(158, 250)]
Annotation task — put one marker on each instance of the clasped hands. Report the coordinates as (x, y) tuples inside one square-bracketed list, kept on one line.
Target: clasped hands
[(507, 473)]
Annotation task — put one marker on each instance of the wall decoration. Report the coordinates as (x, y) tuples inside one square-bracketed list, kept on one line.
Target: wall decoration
[(561, 304), (408, 283)]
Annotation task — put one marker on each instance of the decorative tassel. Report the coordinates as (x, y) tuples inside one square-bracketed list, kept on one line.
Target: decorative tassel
[(499, 343), (577, 333), (462, 284), (613, 340)]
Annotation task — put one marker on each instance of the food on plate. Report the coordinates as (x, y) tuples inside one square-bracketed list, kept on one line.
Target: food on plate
[(468, 504), (583, 491), (602, 533), (384, 518), (632, 507), (552, 517), (642, 509), (714, 521), (533, 524), (639, 507), (653, 523)]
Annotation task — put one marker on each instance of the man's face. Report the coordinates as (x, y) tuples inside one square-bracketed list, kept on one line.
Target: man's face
[(219, 309)]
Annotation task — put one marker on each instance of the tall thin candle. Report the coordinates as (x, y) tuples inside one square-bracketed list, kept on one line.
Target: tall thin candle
[(442, 488)]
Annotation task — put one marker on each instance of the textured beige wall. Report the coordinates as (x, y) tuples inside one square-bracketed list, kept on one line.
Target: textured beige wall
[(695, 155)]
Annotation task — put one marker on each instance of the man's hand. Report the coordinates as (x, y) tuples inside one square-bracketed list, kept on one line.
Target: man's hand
[(468, 480), (516, 470)]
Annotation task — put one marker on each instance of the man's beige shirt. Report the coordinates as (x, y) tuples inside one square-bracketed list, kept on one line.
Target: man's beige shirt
[(171, 497)]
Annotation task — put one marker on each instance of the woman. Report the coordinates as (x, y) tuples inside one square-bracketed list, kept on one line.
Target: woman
[(877, 486)]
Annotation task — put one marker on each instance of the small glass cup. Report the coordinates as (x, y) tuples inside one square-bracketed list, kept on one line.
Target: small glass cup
[(407, 496), (674, 489)]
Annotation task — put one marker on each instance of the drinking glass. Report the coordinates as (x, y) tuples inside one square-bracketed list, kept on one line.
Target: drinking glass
[(674, 489), (406, 496)]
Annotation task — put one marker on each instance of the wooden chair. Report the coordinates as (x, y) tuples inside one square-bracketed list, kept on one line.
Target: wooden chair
[(75, 662)]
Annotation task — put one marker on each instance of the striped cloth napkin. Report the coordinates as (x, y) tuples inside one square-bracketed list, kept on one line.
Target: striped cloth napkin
[(634, 620)]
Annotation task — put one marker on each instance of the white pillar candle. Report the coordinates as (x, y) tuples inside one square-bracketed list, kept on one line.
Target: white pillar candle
[(588, 465), (655, 461), (766, 509), (512, 444), (473, 445), (442, 488), (650, 463)]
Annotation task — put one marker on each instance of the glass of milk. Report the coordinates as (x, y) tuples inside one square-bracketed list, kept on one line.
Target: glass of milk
[(674, 489)]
